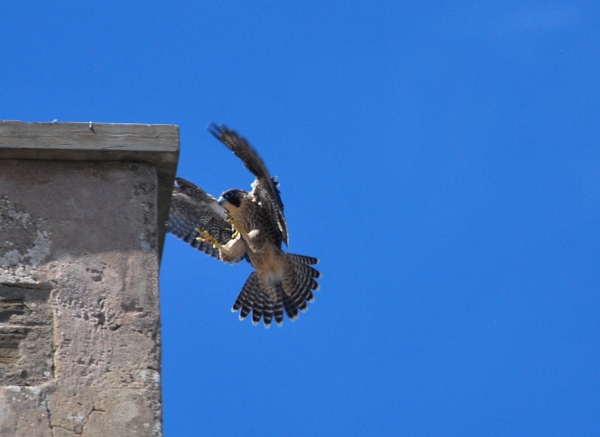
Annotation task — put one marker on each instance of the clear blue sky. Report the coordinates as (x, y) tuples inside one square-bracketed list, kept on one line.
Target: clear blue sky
[(442, 160)]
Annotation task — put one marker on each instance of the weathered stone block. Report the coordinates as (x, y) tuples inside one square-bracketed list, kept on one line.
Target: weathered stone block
[(26, 336), (79, 306)]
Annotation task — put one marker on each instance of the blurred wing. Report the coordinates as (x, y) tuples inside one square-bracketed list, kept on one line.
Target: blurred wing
[(191, 208), (264, 187)]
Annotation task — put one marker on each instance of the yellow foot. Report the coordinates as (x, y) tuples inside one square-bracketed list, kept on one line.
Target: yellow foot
[(205, 237), (238, 229)]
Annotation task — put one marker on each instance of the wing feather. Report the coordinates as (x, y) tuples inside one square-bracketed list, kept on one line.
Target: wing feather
[(191, 208), (264, 188)]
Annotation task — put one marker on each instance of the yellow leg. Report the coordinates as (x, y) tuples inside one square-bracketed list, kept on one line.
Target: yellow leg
[(236, 226), (205, 237)]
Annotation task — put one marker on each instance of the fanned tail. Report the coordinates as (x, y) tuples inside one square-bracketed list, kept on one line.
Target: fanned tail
[(267, 298)]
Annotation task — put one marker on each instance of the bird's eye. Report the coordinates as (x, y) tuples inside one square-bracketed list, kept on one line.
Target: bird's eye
[(228, 195)]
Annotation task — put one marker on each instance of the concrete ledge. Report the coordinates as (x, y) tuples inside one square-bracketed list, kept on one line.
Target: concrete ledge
[(154, 144)]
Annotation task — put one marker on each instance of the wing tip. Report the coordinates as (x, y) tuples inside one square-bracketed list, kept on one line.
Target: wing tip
[(215, 129)]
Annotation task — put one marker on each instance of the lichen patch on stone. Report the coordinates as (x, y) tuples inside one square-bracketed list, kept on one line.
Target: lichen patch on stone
[(25, 244)]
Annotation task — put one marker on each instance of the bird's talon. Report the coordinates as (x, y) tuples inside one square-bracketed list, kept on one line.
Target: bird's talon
[(236, 226), (205, 237)]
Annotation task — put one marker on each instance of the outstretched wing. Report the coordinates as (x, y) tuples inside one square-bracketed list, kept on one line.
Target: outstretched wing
[(264, 187), (191, 208)]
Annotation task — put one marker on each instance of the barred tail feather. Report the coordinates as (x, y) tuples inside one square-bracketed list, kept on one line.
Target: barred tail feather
[(257, 311), (279, 309), (246, 298), (306, 270), (301, 259), (290, 309), (301, 292), (268, 312), (303, 283), (267, 298)]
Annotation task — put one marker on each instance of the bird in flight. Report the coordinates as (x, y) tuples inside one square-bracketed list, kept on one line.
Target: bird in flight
[(251, 226)]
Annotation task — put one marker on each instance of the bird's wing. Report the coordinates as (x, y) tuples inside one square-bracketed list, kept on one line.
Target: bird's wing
[(191, 208), (264, 187)]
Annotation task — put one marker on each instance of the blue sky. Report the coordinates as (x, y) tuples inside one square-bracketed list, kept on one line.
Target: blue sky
[(441, 159)]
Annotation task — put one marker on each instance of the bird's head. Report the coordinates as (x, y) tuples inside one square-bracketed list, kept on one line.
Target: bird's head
[(232, 199)]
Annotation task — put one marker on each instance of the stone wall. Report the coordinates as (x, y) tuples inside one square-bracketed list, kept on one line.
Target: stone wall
[(79, 302)]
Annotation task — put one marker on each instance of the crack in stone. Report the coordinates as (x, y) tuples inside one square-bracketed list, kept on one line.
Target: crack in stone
[(26, 285), (87, 418), (44, 403)]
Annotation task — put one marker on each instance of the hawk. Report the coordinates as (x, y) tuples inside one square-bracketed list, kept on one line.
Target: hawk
[(251, 226)]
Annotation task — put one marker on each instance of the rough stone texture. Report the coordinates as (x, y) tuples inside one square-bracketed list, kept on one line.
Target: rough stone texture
[(23, 412), (79, 304), (154, 144), (26, 336)]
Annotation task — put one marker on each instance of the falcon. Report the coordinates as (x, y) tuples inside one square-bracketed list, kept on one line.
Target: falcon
[(247, 225)]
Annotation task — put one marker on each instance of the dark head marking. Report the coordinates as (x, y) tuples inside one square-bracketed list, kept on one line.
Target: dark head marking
[(233, 196)]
